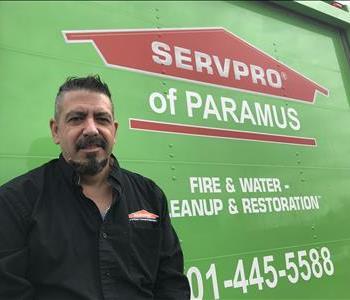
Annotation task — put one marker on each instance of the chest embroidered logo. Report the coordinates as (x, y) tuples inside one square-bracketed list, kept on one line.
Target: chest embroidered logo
[(143, 215)]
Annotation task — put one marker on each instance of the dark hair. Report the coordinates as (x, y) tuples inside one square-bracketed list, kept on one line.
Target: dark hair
[(92, 83)]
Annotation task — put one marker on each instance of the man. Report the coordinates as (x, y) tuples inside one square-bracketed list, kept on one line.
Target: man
[(80, 227)]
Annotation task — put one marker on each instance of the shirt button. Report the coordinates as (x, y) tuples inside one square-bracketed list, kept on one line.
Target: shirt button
[(104, 235), (108, 274)]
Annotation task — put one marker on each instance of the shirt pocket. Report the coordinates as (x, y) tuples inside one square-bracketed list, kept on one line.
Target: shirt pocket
[(145, 240)]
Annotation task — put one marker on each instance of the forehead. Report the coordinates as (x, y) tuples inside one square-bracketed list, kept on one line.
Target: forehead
[(85, 101)]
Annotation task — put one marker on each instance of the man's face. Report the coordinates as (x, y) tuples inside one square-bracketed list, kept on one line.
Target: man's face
[(85, 130)]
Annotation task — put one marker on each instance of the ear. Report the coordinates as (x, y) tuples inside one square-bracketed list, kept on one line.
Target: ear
[(54, 131), (115, 130)]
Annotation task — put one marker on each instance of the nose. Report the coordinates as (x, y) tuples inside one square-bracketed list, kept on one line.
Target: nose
[(90, 127)]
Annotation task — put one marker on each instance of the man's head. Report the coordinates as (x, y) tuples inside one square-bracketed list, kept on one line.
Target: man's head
[(84, 124)]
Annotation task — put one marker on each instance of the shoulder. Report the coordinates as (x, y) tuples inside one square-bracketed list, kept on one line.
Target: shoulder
[(31, 179), (23, 190)]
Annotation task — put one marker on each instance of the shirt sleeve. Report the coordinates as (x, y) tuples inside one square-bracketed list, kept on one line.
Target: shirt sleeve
[(13, 248), (171, 283)]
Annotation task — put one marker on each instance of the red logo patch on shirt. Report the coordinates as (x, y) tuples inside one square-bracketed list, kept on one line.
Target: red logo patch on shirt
[(143, 215)]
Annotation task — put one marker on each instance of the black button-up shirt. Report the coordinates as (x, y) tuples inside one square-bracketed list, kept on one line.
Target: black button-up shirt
[(54, 244)]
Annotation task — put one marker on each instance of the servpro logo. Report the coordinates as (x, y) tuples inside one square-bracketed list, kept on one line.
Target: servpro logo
[(143, 215), (218, 68), (210, 56)]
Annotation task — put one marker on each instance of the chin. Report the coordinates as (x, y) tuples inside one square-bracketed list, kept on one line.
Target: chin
[(90, 165)]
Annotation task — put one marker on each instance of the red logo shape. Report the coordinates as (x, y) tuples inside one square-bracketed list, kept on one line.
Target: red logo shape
[(204, 55), (143, 214)]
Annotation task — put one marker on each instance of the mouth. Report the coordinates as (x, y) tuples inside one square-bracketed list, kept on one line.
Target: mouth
[(91, 144), (91, 148)]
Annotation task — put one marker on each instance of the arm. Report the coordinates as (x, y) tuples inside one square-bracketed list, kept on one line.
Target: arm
[(13, 248), (171, 283)]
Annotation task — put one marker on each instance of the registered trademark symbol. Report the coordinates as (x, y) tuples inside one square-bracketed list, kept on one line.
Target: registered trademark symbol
[(284, 75)]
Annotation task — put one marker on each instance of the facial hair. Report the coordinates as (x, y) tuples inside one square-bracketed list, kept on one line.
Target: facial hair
[(91, 165)]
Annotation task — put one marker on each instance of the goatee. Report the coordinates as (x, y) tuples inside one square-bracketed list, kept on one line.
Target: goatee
[(91, 166)]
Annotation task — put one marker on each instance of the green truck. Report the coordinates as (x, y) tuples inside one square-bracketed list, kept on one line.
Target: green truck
[(239, 110)]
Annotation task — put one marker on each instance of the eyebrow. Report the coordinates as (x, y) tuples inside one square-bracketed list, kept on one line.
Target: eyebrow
[(75, 114), (83, 114)]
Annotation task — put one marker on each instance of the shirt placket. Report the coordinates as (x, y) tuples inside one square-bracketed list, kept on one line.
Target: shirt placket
[(113, 235)]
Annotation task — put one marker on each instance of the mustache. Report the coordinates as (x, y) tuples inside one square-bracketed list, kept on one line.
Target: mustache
[(87, 141)]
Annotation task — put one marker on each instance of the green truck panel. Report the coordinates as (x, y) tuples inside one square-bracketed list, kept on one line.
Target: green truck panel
[(256, 219)]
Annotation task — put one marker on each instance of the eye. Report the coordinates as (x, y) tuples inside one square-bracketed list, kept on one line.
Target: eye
[(103, 120), (75, 119)]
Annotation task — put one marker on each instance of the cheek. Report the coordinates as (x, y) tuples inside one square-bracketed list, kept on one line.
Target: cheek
[(109, 135), (69, 138)]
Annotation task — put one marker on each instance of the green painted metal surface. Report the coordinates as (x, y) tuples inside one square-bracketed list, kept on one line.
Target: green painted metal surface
[(241, 251)]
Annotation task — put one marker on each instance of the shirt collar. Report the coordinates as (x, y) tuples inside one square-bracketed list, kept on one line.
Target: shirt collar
[(115, 176), (67, 170)]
